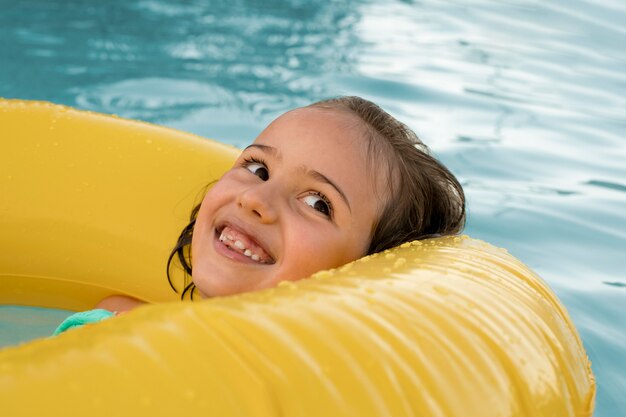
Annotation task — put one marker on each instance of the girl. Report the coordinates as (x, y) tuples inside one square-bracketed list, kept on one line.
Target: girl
[(321, 186)]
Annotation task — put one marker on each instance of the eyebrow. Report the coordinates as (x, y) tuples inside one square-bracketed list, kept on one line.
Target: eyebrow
[(269, 149), (310, 172)]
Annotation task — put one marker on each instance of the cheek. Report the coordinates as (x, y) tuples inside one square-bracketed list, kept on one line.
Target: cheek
[(203, 222), (201, 218), (215, 197), (360, 242), (315, 250)]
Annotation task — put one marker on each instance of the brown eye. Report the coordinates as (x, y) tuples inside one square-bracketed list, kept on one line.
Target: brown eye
[(318, 203), (259, 170)]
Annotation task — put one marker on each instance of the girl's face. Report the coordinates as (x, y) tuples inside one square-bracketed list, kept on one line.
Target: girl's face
[(300, 199)]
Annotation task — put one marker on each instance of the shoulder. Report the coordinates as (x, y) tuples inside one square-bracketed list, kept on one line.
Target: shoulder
[(119, 303)]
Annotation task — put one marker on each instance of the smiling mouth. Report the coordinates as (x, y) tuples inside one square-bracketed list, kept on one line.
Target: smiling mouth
[(239, 242)]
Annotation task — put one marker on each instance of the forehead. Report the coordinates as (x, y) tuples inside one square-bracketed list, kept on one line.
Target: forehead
[(339, 125), (315, 133)]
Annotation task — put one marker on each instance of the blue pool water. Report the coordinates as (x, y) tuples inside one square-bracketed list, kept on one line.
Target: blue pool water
[(524, 100)]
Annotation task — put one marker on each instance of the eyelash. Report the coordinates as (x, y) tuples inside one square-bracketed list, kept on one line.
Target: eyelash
[(253, 160), (321, 195)]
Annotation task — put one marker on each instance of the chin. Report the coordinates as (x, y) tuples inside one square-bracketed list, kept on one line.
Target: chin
[(207, 290)]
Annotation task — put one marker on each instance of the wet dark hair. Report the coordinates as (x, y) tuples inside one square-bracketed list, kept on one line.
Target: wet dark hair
[(426, 200), (182, 252)]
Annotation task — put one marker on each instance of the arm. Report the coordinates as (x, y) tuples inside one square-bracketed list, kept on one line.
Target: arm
[(115, 304), (119, 303)]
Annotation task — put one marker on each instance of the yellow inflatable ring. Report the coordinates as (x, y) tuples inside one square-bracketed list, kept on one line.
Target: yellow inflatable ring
[(90, 205)]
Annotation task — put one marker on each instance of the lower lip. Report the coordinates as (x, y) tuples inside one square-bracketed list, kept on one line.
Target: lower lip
[(225, 251)]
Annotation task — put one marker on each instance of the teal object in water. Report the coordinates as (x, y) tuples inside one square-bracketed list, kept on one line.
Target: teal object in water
[(81, 318)]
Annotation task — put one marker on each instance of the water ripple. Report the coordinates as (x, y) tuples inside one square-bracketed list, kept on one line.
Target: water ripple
[(154, 99), (617, 284), (607, 184)]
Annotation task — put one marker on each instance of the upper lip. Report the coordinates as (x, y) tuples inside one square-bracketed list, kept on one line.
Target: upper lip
[(248, 232)]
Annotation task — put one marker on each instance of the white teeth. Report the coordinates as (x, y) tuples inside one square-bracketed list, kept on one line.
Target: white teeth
[(229, 240)]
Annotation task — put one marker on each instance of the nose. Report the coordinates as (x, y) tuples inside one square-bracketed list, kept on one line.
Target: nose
[(257, 201)]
